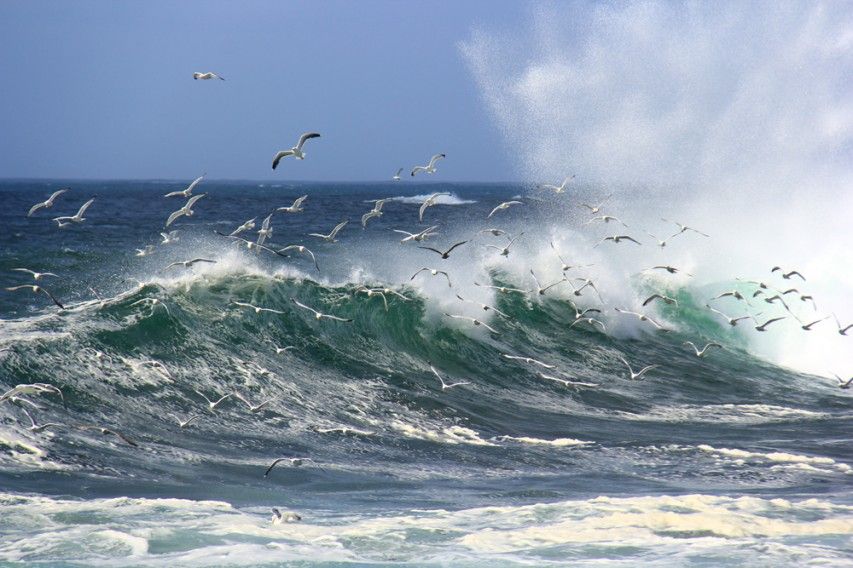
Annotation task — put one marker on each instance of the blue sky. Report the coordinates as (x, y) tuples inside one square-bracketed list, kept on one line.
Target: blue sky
[(103, 89)]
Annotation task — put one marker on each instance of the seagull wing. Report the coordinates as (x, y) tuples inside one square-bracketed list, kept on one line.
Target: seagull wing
[(432, 249), (36, 207), (55, 301), (275, 463), (337, 229), (303, 306), (305, 137), (84, 207), (459, 244), (434, 159), (194, 183), (279, 155)]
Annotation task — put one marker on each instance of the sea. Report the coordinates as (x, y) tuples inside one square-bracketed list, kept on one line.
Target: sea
[(737, 458)]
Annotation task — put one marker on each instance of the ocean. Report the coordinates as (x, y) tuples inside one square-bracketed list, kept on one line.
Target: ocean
[(732, 459)]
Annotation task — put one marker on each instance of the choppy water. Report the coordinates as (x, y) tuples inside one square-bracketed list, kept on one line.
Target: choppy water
[(725, 460)]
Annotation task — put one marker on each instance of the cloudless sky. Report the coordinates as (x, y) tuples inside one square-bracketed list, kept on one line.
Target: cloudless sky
[(104, 89)]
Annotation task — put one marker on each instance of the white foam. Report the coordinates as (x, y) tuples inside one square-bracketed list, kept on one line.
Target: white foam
[(777, 457), (556, 442)]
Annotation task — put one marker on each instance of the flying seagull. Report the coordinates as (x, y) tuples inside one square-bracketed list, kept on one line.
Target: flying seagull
[(731, 321), (502, 206), (429, 168), (397, 175), (429, 202), (528, 360), (296, 207), (559, 188), (433, 272), (641, 372), (186, 210), (330, 238), (32, 388), (595, 209), (39, 427), (302, 250), (474, 321), (504, 251), (212, 404), (46, 204), (684, 228), (444, 254), (788, 274), (190, 263), (257, 309), (417, 237), (207, 76), (445, 386), (294, 462), (617, 239), (296, 151), (36, 275), (36, 289), (109, 432), (704, 351), (662, 297), (484, 307), (77, 217), (187, 193), (319, 315), (763, 327)]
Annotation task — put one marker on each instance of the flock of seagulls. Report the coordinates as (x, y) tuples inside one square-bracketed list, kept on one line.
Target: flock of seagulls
[(769, 295)]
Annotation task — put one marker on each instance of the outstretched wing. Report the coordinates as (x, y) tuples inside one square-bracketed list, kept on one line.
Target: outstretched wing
[(306, 136), (281, 154)]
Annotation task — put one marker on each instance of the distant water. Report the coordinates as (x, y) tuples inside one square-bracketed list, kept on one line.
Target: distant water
[(723, 461)]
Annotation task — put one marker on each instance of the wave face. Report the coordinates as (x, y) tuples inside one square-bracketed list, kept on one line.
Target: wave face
[(729, 455)]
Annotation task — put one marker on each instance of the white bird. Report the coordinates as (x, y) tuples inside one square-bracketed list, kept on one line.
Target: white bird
[(595, 209), (581, 313), (501, 289), (559, 188), (669, 269), (430, 167), (46, 204), (591, 321), (330, 238), (433, 272), (429, 202), (787, 274), (842, 330), (213, 404), (397, 175), (296, 151), (36, 289), (373, 213), (842, 384), (540, 289), (77, 217), (302, 250), (39, 427), (528, 360), (206, 76), (684, 228), (641, 317), (494, 232), (108, 432), (658, 241), (808, 326), (294, 462), (187, 193), (445, 386), (504, 251), (280, 350), (643, 371), (265, 231), (617, 239), (568, 383), (145, 251), (288, 517), (169, 238), (253, 408), (371, 292), (186, 210), (484, 307), (474, 321), (564, 265), (36, 275), (502, 206), (153, 302), (417, 237), (319, 315), (296, 207), (190, 263), (732, 321), (445, 254), (662, 297), (184, 423), (763, 327), (606, 219), (732, 293), (704, 351), (32, 388), (257, 309)]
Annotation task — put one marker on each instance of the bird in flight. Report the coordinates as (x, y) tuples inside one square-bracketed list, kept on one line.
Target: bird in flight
[(207, 76), (296, 151), (430, 167), (319, 315), (187, 193), (444, 254), (186, 210), (445, 386), (36, 289), (46, 204)]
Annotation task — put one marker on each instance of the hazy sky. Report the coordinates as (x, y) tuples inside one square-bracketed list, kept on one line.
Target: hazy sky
[(104, 89)]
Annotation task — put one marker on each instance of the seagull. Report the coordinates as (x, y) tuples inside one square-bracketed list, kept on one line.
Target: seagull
[(643, 371), (296, 151), (265, 231), (559, 188), (319, 315), (257, 309), (46, 204), (302, 250), (641, 317), (32, 388), (665, 299), (373, 292), (787, 275), (575, 384), (213, 404), (280, 350), (485, 307), (670, 269), (108, 432), (684, 228), (704, 351), (185, 210), (278, 517), (294, 462), (247, 226), (397, 175), (581, 313), (564, 266), (187, 193), (206, 76), (445, 386), (429, 202), (36, 275), (417, 237), (153, 302), (370, 215), (184, 423), (505, 250), (330, 238), (36, 290), (778, 298), (595, 209), (606, 219), (39, 427), (528, 360), (433, 272), (591, 321), (494, 232), (658, 242), (808, 326), (296, 207), (542, 290), (77, 217), (251, 245), (733, 293), (474, 321), (586, 283), (842, 384), (841, 330), (169, 238), (501, 289), (502, 206), (444, 254), (190, 263), (253, 408), (430, 167), (617, 239), (763, 327), (145, 251)]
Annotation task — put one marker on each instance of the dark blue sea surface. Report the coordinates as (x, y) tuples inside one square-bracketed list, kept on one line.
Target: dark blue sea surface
[(724, 460)]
